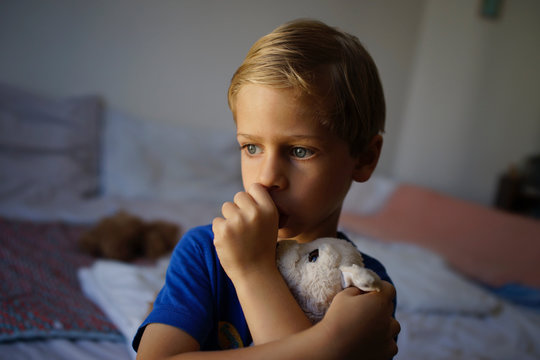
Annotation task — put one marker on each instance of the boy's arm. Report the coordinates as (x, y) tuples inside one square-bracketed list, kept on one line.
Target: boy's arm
[(160, 341), (268, 305), (355, 326), (245, 240)]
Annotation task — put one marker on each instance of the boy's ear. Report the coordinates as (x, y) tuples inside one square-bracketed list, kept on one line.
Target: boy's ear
[(367, 161)]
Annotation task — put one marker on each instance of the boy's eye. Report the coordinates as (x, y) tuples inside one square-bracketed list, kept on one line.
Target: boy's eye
[(301, 152), (252, 149)]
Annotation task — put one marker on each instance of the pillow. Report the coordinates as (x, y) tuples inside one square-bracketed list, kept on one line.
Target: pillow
[(147, 159), (424, 282), (48, 148)]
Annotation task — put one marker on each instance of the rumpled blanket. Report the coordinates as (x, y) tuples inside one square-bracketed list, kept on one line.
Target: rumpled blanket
[(40, 296)]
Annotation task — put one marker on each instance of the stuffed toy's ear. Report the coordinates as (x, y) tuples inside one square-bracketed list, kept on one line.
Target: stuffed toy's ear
[(360, 277)]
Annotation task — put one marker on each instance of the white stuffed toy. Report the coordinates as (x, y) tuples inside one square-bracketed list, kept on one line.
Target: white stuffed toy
[(316, 271)]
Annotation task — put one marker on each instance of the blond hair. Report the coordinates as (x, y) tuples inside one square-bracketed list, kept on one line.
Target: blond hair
[(327, 65)]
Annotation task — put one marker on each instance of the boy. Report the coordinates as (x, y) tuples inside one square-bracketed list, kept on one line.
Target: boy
[(309, 108)]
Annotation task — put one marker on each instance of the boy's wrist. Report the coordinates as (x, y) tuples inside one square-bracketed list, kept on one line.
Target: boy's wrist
[(269, 307), (250, 277)]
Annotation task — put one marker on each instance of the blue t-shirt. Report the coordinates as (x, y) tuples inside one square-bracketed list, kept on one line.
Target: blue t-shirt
[(199, 298)]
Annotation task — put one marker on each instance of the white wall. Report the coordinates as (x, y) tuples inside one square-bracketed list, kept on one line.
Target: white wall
[(172, 60), (474, 102), (462, 92)]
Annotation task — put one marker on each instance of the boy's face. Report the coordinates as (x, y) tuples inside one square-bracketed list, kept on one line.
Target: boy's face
[(307, 170)]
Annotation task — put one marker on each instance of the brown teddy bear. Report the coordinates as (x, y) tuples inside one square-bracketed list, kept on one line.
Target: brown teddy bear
[(125, 237)]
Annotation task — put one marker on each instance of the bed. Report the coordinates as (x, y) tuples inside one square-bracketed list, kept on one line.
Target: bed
[(467, 277)]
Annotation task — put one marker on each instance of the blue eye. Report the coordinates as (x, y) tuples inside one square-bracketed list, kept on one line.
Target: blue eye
[(301, 152), (252, 149)]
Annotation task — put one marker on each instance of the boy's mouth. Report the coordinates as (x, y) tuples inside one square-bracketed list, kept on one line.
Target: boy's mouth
[(283, 218)]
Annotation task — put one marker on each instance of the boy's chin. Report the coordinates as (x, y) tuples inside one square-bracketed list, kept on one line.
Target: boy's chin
[(283, 220), (283, 233), (287, 232)]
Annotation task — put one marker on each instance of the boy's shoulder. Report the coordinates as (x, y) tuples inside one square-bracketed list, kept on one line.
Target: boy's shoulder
[(202, 231), (196, 239)]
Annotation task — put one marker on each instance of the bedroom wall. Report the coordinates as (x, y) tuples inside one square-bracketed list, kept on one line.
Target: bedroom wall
[(171, 61), (474, 103), (462, 92)]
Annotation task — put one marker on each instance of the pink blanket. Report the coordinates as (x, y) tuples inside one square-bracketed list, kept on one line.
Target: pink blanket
[(488, 245)]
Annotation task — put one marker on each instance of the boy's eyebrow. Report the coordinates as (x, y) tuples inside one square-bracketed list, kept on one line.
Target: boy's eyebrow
[(295, 137)]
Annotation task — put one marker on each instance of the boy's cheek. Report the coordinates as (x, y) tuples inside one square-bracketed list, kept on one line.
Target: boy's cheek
[(248, 177), (245, 172), (246, 183)]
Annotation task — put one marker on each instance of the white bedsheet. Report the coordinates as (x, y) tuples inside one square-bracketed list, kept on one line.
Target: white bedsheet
[(60, 349), (123, 291), (436, 331), (513, 333)]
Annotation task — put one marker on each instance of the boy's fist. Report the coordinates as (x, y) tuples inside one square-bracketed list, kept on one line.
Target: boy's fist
[(245, 236)]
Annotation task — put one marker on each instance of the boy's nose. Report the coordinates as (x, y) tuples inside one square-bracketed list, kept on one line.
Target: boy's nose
[(272, 174)]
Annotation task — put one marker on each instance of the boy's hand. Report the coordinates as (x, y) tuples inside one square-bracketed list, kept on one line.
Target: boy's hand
[(361, 324), (245, 237), (245, 241)]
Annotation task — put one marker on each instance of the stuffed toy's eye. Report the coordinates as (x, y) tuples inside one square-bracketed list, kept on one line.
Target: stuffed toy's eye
[(314, 255)]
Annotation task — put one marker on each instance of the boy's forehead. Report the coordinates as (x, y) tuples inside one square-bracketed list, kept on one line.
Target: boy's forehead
[(264, 112), (253, 98)]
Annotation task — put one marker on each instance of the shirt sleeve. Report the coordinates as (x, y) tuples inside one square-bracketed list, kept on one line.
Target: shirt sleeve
[(185, 301)]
